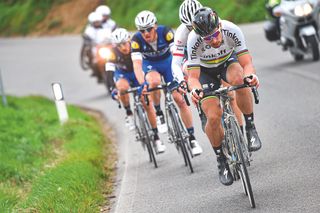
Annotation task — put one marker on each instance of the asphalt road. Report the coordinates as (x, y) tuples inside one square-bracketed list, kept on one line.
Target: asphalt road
[(284, 174)]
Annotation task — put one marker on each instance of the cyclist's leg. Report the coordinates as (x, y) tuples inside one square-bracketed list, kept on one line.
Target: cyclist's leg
[(122, 84), (211, 107), (234, 105), (153, 122), (185, 111), (154, 79), (245, 102)]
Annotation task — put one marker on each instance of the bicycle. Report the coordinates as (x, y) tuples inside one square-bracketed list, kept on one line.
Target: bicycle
[(143, 129), (176, 131), (234, 145)]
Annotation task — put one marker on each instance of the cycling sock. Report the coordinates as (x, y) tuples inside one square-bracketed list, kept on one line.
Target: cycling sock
[(190, 130), (155, 130), (128, 110), (158, 109), (249, 120), (217, 150)]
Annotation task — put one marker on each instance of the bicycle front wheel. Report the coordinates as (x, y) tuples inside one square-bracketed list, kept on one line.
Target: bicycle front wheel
[(145, 135), (173, 112), (242, 162)]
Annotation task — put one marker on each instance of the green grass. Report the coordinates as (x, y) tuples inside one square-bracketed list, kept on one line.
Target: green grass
[(46, 167), (167, 12), (20, 17)]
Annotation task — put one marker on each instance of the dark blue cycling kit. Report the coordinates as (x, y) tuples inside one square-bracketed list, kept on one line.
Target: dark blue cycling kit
[(158, 59), (122, 66)]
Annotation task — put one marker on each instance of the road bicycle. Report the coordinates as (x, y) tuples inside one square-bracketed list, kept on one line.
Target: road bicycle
[(176, 132), (143, 130), (234, 145)]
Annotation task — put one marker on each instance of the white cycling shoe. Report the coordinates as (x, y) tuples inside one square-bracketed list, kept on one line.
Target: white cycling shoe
[(130, 122), (160, 147), (195, 148), (161, 125)]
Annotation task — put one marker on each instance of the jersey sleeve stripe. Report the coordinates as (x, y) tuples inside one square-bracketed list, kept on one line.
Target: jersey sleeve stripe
[(194, 66), (178, 54), (243, 52)]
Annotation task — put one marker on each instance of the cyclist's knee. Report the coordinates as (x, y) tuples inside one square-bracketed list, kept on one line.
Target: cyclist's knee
[(153, 79), (178, 98), (214, 119)]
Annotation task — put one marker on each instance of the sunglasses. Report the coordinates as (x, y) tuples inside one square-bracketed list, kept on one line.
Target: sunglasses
[(148, 30), (212, 36)]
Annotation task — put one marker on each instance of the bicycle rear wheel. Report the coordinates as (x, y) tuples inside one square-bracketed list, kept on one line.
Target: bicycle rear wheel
[(242, 162), (145, 135), (173, 112)]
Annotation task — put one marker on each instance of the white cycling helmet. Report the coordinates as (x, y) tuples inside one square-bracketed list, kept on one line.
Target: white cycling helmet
[(120, 35), (145, 19), (187, 10), (94, 17), (103, 10)]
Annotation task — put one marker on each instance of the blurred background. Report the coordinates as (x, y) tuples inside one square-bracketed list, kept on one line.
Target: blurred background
[(52, 17)]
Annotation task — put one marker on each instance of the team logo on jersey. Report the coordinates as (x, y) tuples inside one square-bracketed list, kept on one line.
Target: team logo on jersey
[(169, 36), (135, 45)]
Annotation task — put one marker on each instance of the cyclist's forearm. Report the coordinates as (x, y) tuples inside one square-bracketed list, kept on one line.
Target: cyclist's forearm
[(176, 68), (137, 66), (249, 69)]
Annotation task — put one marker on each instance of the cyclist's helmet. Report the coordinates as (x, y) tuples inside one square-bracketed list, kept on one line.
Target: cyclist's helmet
[(94, 17), (145, 19), (205, 21), (120, 35), (103, 10), (187, 10)]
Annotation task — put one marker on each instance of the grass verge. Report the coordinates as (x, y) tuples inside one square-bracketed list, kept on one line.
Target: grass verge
[(46, 167)]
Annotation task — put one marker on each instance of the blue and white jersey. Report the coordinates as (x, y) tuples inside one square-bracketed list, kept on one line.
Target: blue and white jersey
[(160, 50)]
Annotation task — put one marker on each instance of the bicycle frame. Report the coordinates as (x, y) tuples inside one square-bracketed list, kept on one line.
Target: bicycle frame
[(234, 146), (177, 132), (143, 129)]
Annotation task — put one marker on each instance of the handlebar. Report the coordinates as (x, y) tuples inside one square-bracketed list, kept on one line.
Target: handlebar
[(135, 90), (165, 86), (224, 90)]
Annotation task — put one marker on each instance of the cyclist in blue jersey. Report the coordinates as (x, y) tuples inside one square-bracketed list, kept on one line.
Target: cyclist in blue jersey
[(119, 61), (151, 56)]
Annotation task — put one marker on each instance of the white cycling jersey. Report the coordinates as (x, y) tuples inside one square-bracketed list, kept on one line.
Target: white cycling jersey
[(180, 42), (109, 24), (202, 54), (98, 35)]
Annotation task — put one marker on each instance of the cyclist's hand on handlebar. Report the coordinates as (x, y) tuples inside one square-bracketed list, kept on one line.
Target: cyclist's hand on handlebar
[(143, 90), (183, 87), (252, 80), (114, 94), (196, 95)]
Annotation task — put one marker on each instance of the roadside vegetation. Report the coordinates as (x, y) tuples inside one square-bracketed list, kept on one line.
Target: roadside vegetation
[(167, 12), (24, 17), (46, 167), (20, 17)]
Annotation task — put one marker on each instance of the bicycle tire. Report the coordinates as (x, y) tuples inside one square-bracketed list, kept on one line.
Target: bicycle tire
[(84, 62), (137, 130), (143, 121), (242, 167), (177, 123)]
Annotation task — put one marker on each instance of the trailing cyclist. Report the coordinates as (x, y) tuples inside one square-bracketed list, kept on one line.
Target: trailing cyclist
[(151, 55), (120, 62), (217, 50), (179, 59)]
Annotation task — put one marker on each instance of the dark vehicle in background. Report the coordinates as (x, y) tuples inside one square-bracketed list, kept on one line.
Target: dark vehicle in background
[(294, 24)]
